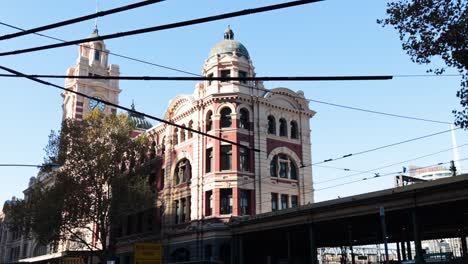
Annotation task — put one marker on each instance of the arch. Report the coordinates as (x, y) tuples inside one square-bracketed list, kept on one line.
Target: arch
[(244, 118), (209, 121), (283, 166), (287, 151), (294, 130), (225, 120), (283, 127), (176, 104), (288, 98), (271, 125), (182, 171), (189, 133)]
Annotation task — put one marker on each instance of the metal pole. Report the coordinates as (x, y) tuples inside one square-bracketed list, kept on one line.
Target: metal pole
[(350, 237), (417, 239), (313, 245), (384, 232)]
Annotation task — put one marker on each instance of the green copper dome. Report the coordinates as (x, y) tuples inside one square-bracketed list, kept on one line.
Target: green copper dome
[(229, 46), (138, 121)]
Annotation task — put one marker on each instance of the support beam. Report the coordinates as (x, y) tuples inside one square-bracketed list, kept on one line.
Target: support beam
[(350, 238), (408, 247), (398, 251), (313, 244), (417, 239), (403, 249), (463, 244)]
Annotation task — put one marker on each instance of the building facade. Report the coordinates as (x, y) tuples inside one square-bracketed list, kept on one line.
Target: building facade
[(262, 165), (208, 182)]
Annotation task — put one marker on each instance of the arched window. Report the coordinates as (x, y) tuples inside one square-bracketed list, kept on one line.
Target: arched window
[(183, 171), (175, 136), (294, 130), (97, 52), (283, 129), (244, 118), (226, 117), (271, 125), (189, 133), (182, 134), (209, 121), (283, 166)]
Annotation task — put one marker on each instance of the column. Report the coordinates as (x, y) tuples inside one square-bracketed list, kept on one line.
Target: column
[(398, 251), (235, 201), (313, 245), (403, 250), (408, 247), (216, 202), (417, 239)]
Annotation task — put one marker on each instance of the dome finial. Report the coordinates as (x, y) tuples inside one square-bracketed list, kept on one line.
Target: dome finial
[(228, 33)]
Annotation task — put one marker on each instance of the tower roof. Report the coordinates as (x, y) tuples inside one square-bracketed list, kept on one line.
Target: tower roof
[(95, 33), (138, 121), (229, 46)]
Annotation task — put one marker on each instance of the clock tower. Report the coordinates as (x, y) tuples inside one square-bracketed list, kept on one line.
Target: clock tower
[(92, 61)]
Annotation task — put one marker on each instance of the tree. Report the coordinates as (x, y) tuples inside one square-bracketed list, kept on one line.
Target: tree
[(101, 176), (435, 29)]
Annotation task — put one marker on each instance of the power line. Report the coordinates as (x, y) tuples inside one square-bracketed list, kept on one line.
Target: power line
[(80, 19), (127, 109), (249, 86), (206, 78), (111, 53), (21, 165), (391, 165), (378, 175), (382, 147), (167, 26)]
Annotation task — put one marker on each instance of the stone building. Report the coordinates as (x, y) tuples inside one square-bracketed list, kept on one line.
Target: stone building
[(208, 182), (203, 183)]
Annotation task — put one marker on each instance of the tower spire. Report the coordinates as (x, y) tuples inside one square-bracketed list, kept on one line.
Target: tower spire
[(96, 20)]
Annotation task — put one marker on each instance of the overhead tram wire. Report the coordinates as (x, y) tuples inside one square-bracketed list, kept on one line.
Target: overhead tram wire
[(127, 109), (80, 19), (377, 176), (167, 26), (382, 147), (390, 165), (387, 174), (111, 53), (253, 87), (205, 78)]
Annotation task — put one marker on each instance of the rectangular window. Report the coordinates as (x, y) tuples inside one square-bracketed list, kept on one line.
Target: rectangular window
[(242, 74), (210, 76), (226, 201), (274, 201), (244, 159), (245, 202), (226, 157), (208, 203), (184, 210), (176, 212), (209, 160), (284, 201), (225, 74), (294, 201)]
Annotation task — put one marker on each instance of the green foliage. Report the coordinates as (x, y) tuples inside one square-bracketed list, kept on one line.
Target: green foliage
[(435, 28), (100, 178)]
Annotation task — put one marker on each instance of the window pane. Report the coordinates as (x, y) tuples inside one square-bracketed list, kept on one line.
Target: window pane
[(245, 202), (271, 125), (274, 201), (283, 171), (226, 117), (242, 74), (209, 160), (244, 159), (274, 167), (294, 201), (284, 201), (226, 201), (226, 157), (225, 74)]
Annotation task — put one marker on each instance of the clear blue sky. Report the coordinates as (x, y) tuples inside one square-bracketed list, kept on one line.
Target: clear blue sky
[(327, 38)]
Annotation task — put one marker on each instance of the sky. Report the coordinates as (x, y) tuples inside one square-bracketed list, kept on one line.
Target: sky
[(328, 38)]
